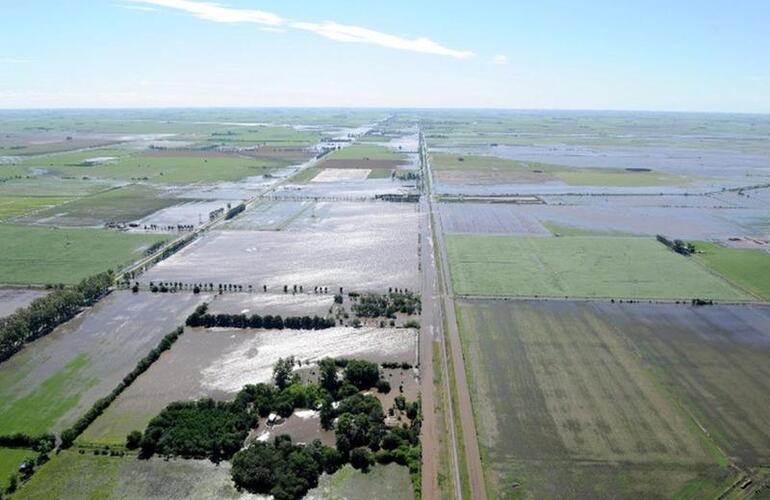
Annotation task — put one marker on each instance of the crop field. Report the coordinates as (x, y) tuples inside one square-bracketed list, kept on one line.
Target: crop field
[(647, 217), (366, 152), (10, 460), (41, 255), (489, 218), (172, 170), (54, 380), (53, 187), (121, 205), (359, 246), (14, 298), (578, 267), (382, 482), (472, 169), (748, 269), (71, 475), (14, 206), (597, 399), (218, 363)]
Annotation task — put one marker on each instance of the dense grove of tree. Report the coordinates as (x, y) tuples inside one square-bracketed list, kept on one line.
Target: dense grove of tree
[(200, 318), (46, 313), (282, 469), (233, 212), (69, 435), (200, 429), (217, 430), (373, 305)]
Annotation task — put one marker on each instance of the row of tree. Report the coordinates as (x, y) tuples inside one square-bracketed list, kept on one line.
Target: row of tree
[(69, 435), (46, 313), (201, 318)]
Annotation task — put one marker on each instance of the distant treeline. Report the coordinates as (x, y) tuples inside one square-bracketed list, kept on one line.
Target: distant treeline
[(21, 440), (46, 313), (233, 212), (201, 318), (68, 436)]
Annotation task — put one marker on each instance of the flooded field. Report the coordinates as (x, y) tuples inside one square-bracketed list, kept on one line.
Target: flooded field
[(631, 217), (355, 246), (71, 475), (217, 363), (270, 215), (383, 482), (54, 380), (272, 303), (589, 390), (15, 298), (489, 218), (192, 213)]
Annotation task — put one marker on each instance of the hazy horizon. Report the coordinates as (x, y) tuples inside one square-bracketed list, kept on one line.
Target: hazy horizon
[(689, 57)]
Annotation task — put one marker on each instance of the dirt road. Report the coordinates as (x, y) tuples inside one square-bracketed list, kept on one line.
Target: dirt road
[(439, 298)]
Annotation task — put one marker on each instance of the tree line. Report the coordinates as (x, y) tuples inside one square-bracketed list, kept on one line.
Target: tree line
[(201, 318), (68, 436), (46, 313)]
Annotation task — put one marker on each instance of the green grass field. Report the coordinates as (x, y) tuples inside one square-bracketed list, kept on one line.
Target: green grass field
[(41, 255), (14, 206), (528, 172), (10, 459), (382, 482), (124, 205), (173, 170), (380, 173), (37, 412), (305, 175), (578, 267), (748, 269), (362, 151), (600, 400), (72, 475)]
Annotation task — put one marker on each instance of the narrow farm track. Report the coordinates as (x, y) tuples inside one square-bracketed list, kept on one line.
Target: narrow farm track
[(445, 301)]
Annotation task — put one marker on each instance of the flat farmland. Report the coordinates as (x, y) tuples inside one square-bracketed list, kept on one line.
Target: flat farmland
[(382, 482), (15, 206), (579, 266), (460, 168), (490, 218), (54, 380), (71, 475), (42, 255), (121, 205), (366, 152), (749, 269), (359, 246), (14, 298), (124, 165), (217, 363), (577, 399), (10, 460)]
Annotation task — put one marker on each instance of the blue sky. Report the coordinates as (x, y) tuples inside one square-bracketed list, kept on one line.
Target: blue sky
[(643, 55)]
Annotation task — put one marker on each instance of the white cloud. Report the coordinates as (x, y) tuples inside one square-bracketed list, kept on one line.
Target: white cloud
[(500, 60), (356, 34), (217, 13), (328, 29)]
